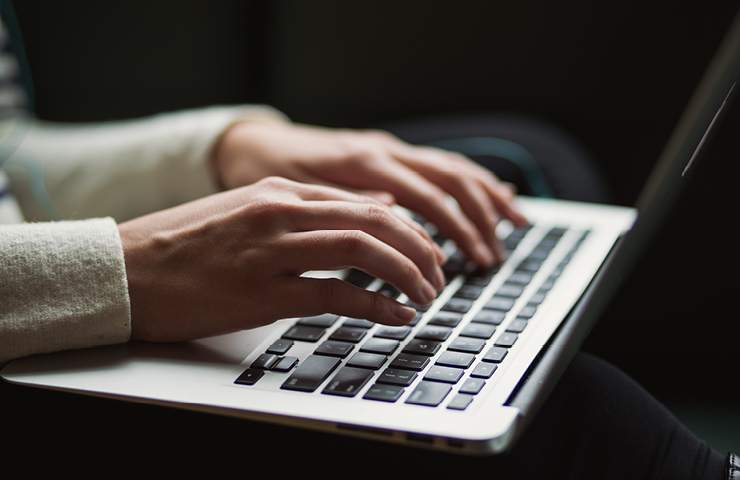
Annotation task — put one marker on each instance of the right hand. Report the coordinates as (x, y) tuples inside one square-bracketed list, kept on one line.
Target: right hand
[(234, 260)]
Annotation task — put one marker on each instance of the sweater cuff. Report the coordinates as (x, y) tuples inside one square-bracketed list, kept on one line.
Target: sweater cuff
[(63, 286)]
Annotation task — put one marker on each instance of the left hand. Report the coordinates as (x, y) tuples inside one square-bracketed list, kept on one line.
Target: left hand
[(378, 164)]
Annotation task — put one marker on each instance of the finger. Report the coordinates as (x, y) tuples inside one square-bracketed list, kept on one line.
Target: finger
[(340, 249), (335, 296), (403, 234)]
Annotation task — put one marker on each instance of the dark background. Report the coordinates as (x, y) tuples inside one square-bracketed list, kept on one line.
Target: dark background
[(615, 74)]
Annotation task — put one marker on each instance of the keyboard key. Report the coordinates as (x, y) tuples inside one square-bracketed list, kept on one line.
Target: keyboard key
[(507, 339), (472, 386), (348, 334), (304, 333), (325, 321), (311, 373), (285, 364), (384, 393), (358, 323), (459, 305), (455, 359), (508, 290), (527, 312), (495, 354), (469, 292), (264, 361), (503, 304), (478, 330), (249, 377), (334, 349), (280, 347), (460, 402), (373, 361), (429, 394), (439, 334), (520, 278), (491, 317), (538, 298), (405, 361), (393, 333), (467, 345), (517, 326), (381, 346), (397, 376), (422, 347), (484, 370), (389, 291), (348, 381), (359, 278), (446, 319), (444, 374)]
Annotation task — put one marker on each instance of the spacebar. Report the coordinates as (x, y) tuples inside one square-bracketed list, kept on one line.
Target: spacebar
[(311, 373)]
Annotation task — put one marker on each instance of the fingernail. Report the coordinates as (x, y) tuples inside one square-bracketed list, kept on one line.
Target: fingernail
[(405, 313)]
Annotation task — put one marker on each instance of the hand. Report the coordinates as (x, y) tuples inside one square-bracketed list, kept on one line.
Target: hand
[(234, 260), (381, 165)]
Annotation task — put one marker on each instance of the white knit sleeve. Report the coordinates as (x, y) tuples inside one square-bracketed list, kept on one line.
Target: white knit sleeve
[(122, 169), (62, 286)]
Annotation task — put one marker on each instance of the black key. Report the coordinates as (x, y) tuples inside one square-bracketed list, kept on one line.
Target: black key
[(358, 323), (508, 290), (484, 370), (285, 364), (405, 361), (429, 394), (480, 278), (455, 359), (422, 347), (396, 376), (517, 326), (384, 393), (503, 304), (359, 278), (472, 386), (334, 349), (520, 278), (446, 319), (444, 374), (393, 333), (469, 292), (459, 305), (538, 254), (495, 354), (439, 334), (491, 317), (460, 402), (478, 330), (325, 321), (417, 306), (372, 361), (389, 291), (506, 340), (311, 373), (467, 345), (280, 347), (547, 286), (264, 361), (348, 381), (527, 312), (304, 333), (382, 346), (348, 334), (530, 266), (538, 298), (249, 377)]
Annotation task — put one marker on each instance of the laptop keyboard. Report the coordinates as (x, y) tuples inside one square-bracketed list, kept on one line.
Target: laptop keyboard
[(452, 347)]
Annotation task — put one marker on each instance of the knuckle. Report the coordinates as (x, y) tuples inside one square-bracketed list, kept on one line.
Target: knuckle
[(351, 241)]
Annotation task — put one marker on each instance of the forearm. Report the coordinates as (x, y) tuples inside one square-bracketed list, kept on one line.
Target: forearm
[(62, 286), (124, 169)]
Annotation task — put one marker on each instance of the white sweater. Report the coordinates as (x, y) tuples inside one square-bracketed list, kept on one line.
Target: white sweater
[(63, 284)]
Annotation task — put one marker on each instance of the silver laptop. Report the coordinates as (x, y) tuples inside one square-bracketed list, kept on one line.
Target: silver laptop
[(471, 370)]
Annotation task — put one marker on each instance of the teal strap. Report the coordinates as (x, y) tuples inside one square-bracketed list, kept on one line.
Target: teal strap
[(506, 149)]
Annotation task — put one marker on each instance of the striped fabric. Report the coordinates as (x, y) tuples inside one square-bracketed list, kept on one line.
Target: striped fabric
[(12, 122)]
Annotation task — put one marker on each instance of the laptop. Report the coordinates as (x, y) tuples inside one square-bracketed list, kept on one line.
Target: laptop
[(472, 369)]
